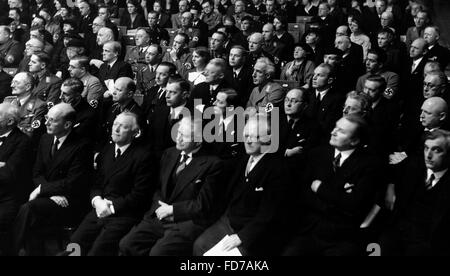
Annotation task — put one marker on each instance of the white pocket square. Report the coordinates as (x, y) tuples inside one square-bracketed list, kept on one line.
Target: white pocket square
[(198, 181), (260, 189)]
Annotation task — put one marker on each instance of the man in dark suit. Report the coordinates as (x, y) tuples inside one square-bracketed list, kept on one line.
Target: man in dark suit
[(47, 85), (351, 66), (215, 80), (156, 96), (225, 127), (253, 196), (184, 204), (86, 122), (338, 191), (383, 117), (61, 176), (239, 75), (123, 184), (436, 52), (113, 68), (421, 210), (122, 100), (325, 103), (166, 116), (15, 170), (87, 16), (296, 129), (413, 86)]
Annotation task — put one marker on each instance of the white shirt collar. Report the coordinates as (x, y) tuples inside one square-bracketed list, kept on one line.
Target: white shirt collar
[(437, 176), (61, 140), (176, 110), (237, 71), (213, 86), (416, 62), (322, 93), (189, 155), (122, 148), (112, 63), (24, 100), (344, 155), (256, 159)]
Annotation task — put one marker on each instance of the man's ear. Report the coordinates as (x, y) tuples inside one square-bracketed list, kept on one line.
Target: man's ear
[(443, 116), (138, 133)]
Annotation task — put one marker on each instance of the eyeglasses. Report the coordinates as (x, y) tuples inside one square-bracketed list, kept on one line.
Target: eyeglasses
[(50, 120), (292, 101), (430, 85)]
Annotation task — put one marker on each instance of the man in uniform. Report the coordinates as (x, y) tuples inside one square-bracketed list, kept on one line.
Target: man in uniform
[(48, 85), (158, 35), (136, 56), (145, 77), (31, 108)]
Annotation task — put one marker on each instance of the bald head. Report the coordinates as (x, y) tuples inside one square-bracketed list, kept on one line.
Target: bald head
[(255, 42), (60, 119), (124, 89), (104, 35), (294, 102), (268, 31), (418, 48), (342, 31), (434, 112)]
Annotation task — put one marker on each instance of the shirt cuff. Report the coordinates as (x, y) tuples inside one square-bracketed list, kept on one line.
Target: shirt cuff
[(94, 199)]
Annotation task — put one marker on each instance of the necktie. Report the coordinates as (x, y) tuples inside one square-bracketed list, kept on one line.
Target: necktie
[(118, 153), (429, 182), (55, 147), (318, 97), (235, 76), (291, 123), (249, 165), (182, 164), (337, 162), (160, 93)]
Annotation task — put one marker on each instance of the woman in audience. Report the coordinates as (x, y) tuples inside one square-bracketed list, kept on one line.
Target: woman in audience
[(200, 57), (132, 18), (301, 69), (357, 36)]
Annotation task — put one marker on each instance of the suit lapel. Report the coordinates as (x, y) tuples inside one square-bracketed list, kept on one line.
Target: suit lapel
[(188, 175), (60, 154), (166, 174), (120, 163)]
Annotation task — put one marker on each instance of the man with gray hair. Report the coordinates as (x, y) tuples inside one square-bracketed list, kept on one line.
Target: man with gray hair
[(267, 93), (104, 35), (15, 170), (31, 108), (59, 197), (184, 204), (436, 52), (31, 46), (214, 81), (121, 192), (113, 68)]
